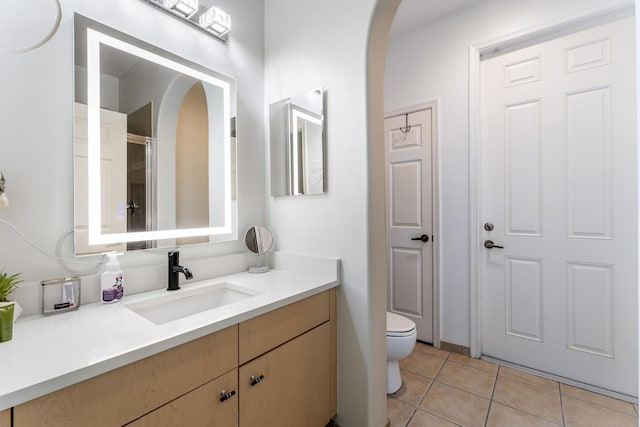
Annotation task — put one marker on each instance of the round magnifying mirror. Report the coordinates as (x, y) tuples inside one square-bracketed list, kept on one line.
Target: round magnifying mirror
[(259, 241)]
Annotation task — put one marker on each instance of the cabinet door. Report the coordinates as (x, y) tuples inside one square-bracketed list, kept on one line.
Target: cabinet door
[(201, 407), (295, 385), (5, 418)]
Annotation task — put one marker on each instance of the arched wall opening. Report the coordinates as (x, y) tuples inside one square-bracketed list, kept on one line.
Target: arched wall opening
[(381, 20)]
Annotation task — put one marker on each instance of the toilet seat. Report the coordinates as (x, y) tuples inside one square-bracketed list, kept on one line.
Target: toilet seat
[(399, 326)]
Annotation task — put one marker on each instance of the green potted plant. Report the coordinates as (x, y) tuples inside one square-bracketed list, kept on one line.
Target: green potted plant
[(8, 284)]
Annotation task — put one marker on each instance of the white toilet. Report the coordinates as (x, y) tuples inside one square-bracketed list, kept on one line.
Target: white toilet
[(401, 339)]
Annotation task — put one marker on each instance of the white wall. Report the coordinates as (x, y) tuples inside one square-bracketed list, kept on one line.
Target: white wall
[(311, 44), (431, 63), (36, 148)]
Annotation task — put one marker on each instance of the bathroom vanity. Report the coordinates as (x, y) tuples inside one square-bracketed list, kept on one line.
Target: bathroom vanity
[(267, 360)]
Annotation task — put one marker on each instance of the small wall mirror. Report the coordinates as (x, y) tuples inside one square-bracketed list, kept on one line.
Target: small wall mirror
[(297, 145), (154, 138), (259, 241)]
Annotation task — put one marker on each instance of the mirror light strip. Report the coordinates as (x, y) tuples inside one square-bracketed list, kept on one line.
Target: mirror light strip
[(295, 114), (93, 125)]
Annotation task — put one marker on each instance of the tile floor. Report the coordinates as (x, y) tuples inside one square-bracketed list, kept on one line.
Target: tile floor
[(447, 389)]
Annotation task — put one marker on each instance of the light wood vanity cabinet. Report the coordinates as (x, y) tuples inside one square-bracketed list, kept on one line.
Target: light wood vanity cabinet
[(290, 352)]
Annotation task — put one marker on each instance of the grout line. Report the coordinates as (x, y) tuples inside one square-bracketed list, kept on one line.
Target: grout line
[(546, 420), (430, 354), (524, 381), (486, 417), (439, 417), (564, 416), (411, 417), (424, 396), (493, 391)]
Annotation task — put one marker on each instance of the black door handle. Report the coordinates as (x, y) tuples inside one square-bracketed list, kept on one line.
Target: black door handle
[(489, 244), (424, 238)]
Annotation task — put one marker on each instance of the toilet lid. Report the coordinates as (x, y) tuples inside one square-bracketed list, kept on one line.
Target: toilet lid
[(399, 324)]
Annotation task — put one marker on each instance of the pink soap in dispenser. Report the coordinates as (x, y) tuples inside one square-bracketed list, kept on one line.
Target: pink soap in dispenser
[(112, 280)]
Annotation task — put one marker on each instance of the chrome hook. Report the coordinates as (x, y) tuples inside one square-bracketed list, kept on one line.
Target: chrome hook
[(406, 127)]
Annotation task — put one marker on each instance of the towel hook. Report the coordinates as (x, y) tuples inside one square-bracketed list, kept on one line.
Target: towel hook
[(406, 127)]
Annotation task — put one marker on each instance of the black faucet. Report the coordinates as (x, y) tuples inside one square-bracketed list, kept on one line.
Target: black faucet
[(174, 269)]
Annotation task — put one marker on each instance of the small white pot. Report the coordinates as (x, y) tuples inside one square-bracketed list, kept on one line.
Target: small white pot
[(17, 311)]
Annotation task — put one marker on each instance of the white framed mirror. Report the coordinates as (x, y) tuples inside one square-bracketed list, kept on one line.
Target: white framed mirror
[(297, 145), (154, 146)]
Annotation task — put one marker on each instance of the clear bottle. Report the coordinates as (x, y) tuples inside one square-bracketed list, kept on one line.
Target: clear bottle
[(112, 280)]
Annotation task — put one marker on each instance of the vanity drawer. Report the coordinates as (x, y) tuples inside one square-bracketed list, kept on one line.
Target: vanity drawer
[(200, 407), (124, 394), (263, 333)]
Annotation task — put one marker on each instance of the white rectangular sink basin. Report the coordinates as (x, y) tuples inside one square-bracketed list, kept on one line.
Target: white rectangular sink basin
[(186, 302)]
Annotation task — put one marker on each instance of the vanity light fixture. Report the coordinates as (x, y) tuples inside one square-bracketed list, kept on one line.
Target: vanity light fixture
[(216, 21), (185, 8), (198, 13)]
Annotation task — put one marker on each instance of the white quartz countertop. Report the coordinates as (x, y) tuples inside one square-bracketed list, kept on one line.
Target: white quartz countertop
[(53, 352)]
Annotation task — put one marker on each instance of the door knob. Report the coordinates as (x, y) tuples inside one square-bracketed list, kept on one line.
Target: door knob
[(489, 244), (424, 238)]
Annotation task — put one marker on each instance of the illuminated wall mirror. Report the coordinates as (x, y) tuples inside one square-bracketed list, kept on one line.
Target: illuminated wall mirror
[(154, 146), (297, 145)]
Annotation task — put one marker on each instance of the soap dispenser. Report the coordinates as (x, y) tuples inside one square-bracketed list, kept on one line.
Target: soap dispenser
[(112, 280)]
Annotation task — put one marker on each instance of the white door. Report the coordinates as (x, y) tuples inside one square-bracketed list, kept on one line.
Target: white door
[(113, 180), (408, 174), (558, 162)]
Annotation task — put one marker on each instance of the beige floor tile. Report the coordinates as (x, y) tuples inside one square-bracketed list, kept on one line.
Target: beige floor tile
[(581, 413), (468, 379), (425, 419), (398, 412), (429, 349), (598, 399), (529, 398), (456, 405), (483, 365), (635, 407), (413, 388), (503, 416), (422, 364), (529, 378)]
